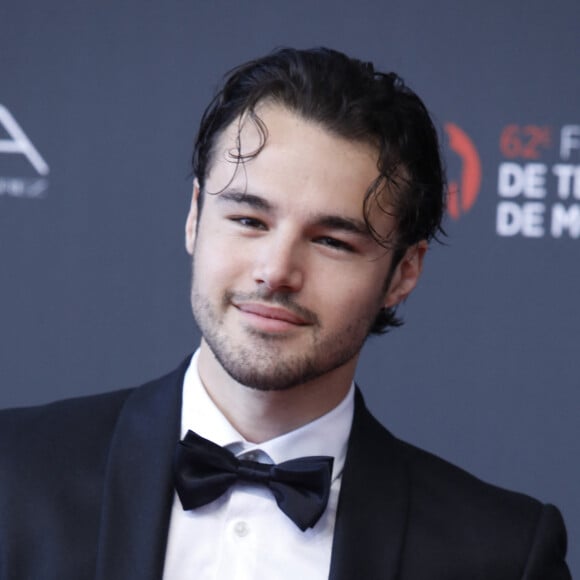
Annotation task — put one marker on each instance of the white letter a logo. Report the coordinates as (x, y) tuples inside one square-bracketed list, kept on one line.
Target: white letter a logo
[(19, 142)]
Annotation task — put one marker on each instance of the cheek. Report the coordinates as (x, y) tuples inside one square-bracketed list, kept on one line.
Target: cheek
[(350, 298), (354, 283), (216, 262)]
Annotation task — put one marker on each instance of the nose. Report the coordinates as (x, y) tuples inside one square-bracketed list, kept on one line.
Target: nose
[(278, 265)]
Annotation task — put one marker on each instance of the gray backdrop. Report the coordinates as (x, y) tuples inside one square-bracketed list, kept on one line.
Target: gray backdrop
[(99, 104)]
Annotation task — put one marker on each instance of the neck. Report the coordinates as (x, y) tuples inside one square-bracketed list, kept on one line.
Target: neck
[(263, 415)]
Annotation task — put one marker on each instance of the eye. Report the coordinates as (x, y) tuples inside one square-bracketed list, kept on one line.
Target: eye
[(334, 244), (248, 222)]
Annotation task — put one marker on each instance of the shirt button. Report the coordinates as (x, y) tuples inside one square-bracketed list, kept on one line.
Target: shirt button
[(251, 456), (241, 529)]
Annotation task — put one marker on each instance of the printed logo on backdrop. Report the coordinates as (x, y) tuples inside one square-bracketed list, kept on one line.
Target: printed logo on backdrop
[(539, 182), (23, 170), (463, 188)]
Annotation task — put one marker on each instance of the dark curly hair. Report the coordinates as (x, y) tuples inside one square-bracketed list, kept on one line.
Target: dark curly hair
[(351, 99)]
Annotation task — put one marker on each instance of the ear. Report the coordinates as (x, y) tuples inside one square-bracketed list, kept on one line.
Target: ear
[(406, 274), (191, 222)]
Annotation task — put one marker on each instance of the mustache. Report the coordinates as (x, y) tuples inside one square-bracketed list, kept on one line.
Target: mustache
[(267, 297)]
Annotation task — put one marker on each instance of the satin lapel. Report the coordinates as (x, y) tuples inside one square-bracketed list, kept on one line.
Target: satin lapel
[(373, 505), (138, 490)]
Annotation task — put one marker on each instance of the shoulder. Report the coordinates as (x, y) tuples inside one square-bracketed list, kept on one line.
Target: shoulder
[(63, 414), (450, 511), (55, 462), (71, 432), (431, 477), (506, 529), (49, 446), (86, 416)]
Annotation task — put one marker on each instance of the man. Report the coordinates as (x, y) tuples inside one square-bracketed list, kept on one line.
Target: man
[(318, 188)]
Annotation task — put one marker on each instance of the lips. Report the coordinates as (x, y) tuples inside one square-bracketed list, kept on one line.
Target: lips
[(271, 312)]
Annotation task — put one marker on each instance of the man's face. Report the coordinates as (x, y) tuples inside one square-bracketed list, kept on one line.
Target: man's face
[(287, 280)]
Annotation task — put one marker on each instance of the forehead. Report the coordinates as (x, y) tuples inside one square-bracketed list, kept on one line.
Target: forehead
[(280, 153)]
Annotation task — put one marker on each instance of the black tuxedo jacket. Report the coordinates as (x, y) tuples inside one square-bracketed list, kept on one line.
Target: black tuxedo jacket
[(86, 491)]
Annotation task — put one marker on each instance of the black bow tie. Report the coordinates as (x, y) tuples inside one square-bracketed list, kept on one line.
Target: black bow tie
[(204, 471)]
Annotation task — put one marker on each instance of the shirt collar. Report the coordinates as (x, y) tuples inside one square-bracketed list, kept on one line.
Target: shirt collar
[(327, 435)]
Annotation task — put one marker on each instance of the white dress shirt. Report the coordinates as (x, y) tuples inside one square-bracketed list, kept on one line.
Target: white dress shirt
[(243, 535)]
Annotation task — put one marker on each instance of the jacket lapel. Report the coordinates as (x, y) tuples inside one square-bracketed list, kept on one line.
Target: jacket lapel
[(138, 492), (372, 510), (138, 489)]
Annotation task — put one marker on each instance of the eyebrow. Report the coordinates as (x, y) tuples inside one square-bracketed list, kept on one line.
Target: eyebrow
[(249, 199), (334, 222)]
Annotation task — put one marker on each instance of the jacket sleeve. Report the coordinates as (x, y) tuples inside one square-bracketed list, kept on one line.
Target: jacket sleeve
[(547, 555)]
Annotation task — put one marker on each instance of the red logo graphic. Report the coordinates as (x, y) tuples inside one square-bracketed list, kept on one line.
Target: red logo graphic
[(463, 191)]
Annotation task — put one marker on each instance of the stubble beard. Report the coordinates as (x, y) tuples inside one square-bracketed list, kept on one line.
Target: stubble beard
[(263, 361)]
